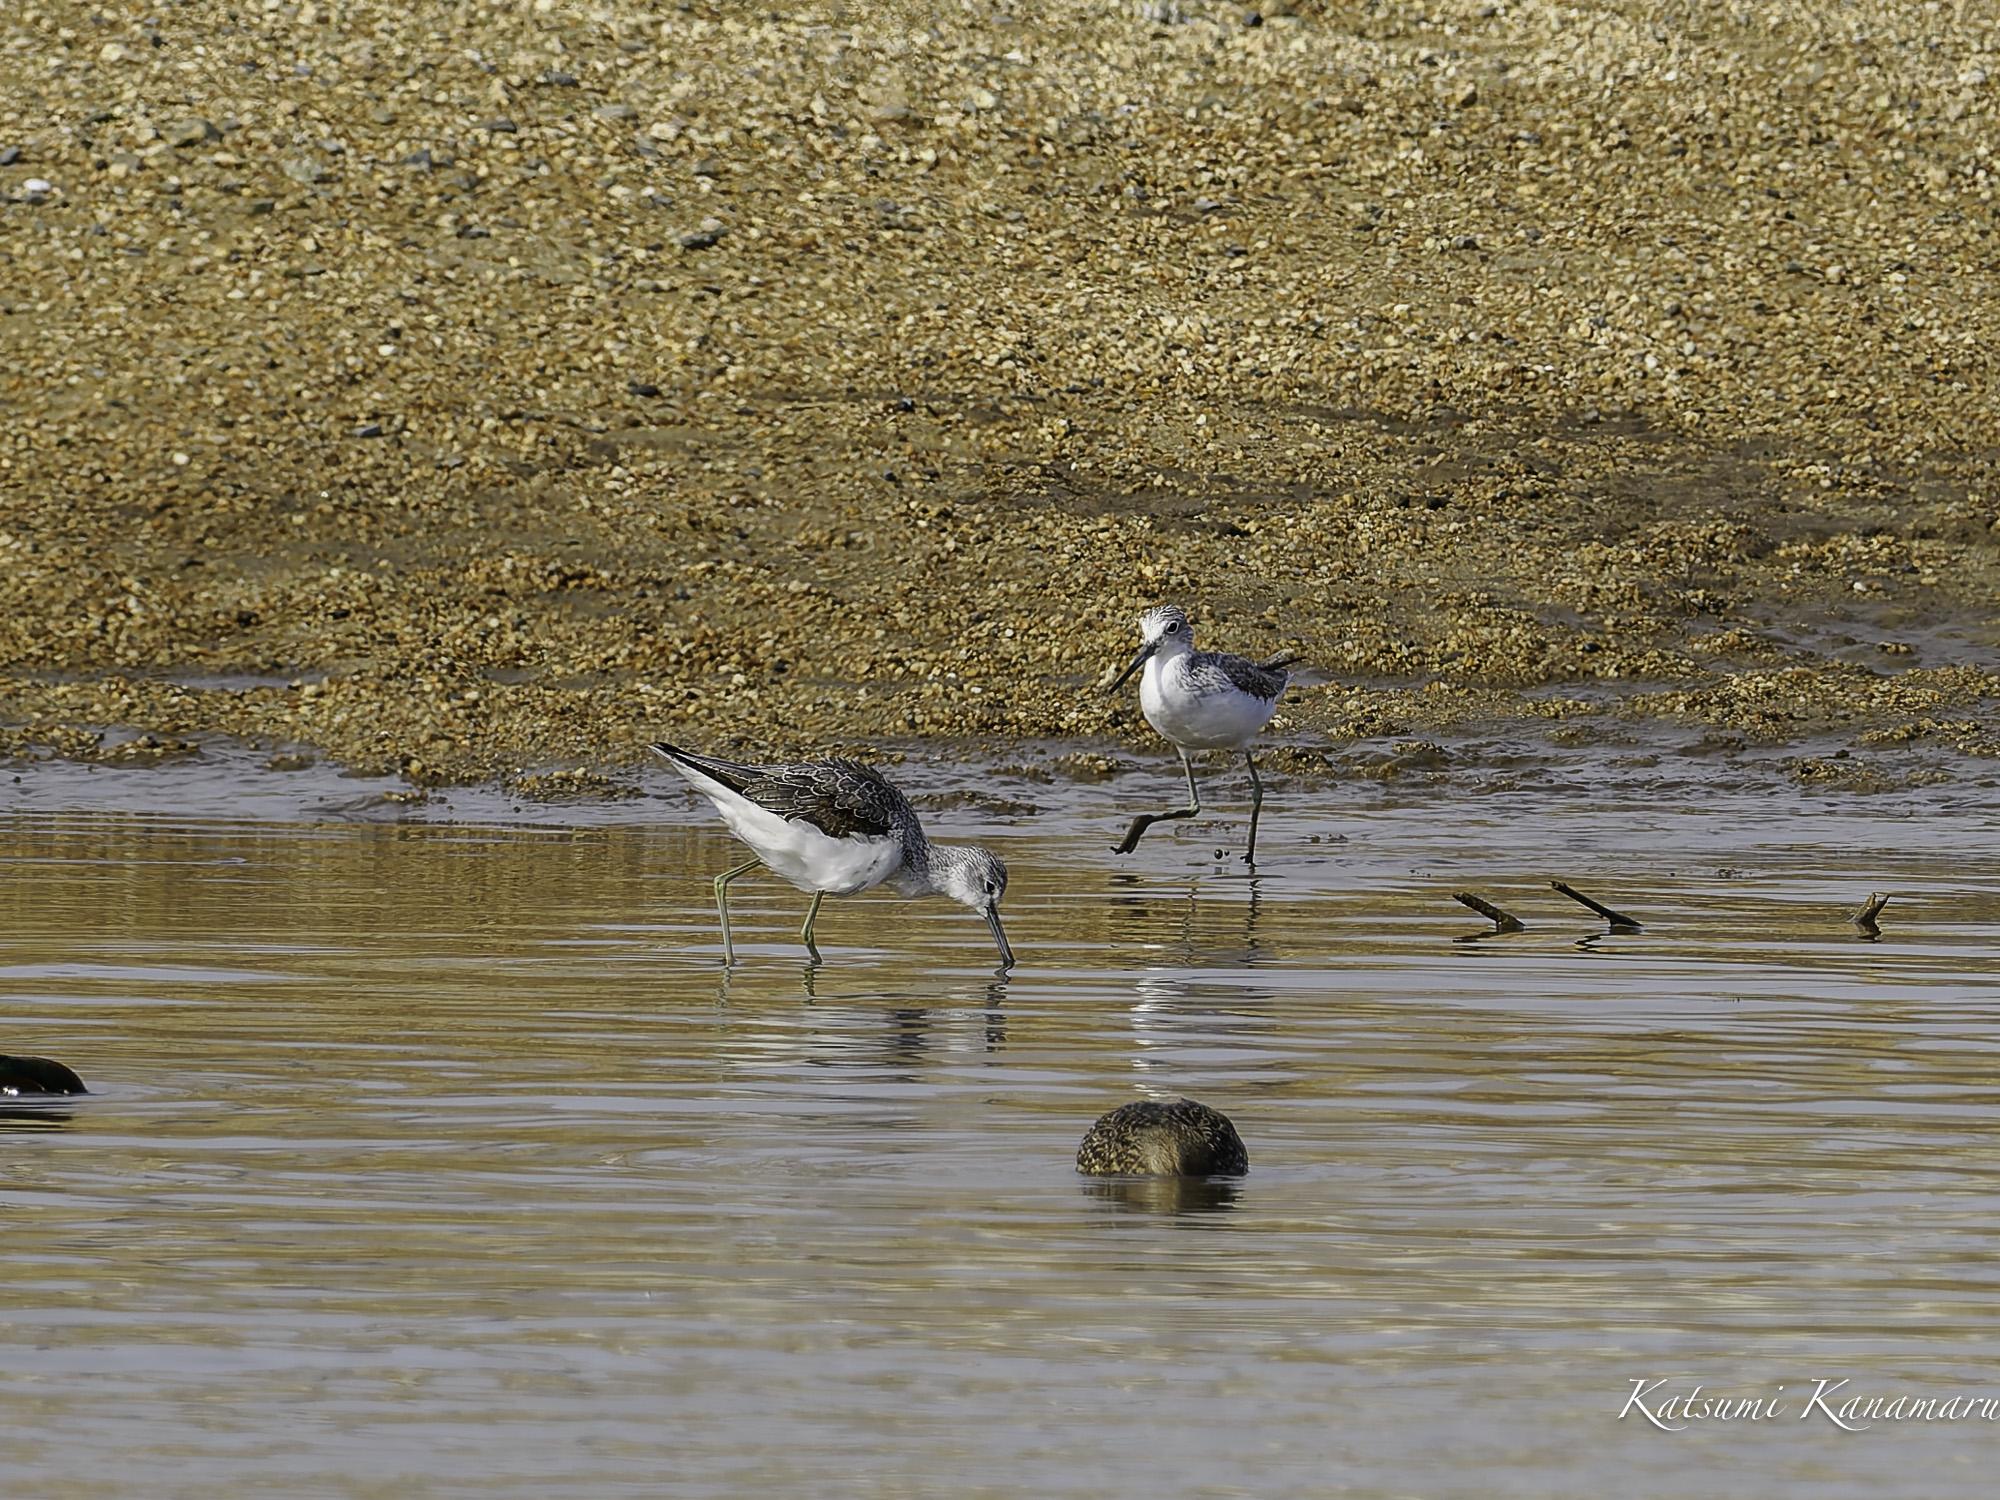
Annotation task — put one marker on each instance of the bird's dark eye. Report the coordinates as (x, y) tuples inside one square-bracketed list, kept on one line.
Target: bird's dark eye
[(1174, 628)]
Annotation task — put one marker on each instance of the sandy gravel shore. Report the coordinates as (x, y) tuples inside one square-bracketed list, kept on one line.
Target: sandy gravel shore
[(486, 389)]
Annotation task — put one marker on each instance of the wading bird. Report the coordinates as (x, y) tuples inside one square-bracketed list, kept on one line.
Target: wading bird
[(1151, 1139), (835, 828), (1201, 700)]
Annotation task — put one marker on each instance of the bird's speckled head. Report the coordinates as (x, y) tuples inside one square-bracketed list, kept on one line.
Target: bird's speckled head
[(976, 878), (1165, 624), (969, 874), (1165, 633)]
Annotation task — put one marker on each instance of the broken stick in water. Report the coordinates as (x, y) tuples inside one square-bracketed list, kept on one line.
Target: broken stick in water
[(1618, 920), (1502, 921), (1865, 918)]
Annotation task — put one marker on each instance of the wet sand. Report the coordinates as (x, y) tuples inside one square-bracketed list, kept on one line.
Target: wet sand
[(486, 396)]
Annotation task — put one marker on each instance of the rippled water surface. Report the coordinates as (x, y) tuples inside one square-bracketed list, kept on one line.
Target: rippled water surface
[(439, 1159)]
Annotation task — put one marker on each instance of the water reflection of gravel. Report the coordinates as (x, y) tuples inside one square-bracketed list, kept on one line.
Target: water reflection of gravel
[(533, 385)]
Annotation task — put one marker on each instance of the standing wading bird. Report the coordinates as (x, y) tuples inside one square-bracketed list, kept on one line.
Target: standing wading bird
[(835, 827), (1201, 700)]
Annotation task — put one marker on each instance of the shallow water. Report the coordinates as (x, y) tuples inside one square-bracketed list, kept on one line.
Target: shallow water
[(438, 1158)]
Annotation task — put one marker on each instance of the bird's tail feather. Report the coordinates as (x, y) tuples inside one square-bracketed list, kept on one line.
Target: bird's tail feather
[(728, 772)]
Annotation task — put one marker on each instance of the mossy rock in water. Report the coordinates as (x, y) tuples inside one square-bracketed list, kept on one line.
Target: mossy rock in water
[(37, 1075), (1150, 1139)]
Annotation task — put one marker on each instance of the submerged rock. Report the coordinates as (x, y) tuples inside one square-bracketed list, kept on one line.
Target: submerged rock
[(1151, 1139), (37, 1075)]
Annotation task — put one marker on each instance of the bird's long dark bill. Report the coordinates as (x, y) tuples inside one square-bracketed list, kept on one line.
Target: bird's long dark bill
[(992, 915), (1138, 661)]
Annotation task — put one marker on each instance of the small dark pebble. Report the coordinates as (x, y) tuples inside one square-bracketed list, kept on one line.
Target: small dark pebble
[(699, 239), (1251, 18), (1466, 242), (499, 125), (9, 155), (368, 430), (421, 160), (708, 166), (642, 388), (475, 232), (559, 80), (37, 1075)]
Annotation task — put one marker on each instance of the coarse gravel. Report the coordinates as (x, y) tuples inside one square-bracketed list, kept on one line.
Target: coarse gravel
[(474, 390)]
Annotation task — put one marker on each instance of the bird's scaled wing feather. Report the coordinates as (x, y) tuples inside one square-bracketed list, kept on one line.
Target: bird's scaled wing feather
[(841, 798), (1248, 677)]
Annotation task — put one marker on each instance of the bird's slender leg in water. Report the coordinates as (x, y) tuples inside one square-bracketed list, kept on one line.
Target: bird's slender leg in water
[(1146, 820), (1256, 806), (806, 932), (722, 903)]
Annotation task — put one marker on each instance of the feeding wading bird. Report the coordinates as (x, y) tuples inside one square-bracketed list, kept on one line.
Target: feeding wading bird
[(1201, 700), (1151, 1139), (836, 827)]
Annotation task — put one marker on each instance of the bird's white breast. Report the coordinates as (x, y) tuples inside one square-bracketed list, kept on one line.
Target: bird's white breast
[(1200, 711)]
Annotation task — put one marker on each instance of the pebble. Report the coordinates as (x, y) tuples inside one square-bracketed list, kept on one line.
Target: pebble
[(708, 234), (190, 132)]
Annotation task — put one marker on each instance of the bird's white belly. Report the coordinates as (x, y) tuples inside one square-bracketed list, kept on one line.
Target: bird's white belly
[(794, 849), (813, 861), (1217, 720)]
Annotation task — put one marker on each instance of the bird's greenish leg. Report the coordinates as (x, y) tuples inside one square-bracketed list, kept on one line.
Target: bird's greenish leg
[(1146, 820), (1256, 806), (722, 903), (812, 915)]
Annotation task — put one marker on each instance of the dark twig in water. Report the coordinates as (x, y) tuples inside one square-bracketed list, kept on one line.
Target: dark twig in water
[(1503, 921), (37, 1075), (1618, 920), (1865, 918)]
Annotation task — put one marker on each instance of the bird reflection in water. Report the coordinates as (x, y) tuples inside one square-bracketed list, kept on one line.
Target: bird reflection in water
[(910, 1033), (17, 1116), (1217, 933), (1165, 1196)]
